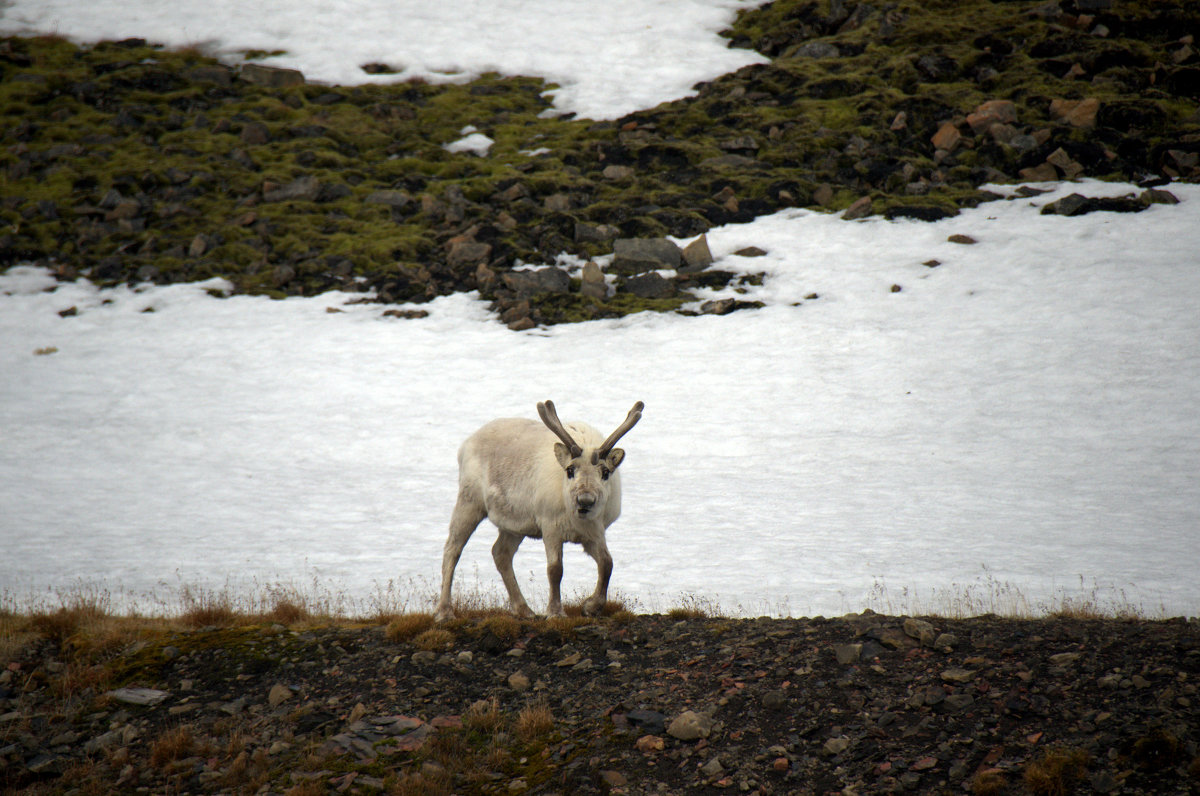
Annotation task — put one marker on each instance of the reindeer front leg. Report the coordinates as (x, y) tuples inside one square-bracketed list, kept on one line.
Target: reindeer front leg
[(554, 571), (598, 550), (502, 553)]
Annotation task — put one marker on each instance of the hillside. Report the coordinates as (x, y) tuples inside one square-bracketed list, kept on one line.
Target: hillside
[(657, 704), (125, 162)]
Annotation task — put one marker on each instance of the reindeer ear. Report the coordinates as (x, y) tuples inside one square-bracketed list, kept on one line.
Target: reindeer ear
[(614, 458), (562, 454)]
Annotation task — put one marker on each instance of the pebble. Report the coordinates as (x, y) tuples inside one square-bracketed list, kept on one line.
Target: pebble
[(690, 726)]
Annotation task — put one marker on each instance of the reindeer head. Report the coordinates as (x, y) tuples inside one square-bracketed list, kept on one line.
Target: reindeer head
[(586, 486)]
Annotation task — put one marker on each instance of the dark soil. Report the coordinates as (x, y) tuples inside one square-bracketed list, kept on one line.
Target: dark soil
[(124, 162), (627, 704)]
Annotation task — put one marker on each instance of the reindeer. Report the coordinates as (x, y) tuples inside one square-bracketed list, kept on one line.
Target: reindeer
[(513, 472)]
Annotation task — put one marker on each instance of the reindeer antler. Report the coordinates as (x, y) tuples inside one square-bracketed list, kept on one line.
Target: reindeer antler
[(635, 414), (550, 417)]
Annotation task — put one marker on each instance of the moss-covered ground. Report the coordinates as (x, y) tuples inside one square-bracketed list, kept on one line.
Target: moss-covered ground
[(127, 162)]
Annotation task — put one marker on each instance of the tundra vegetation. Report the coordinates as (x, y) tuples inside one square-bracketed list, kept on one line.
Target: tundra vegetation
[(127, 162), (283, 698)]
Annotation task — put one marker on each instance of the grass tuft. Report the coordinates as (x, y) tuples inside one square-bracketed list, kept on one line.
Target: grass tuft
[(503, 626), (1056, 772), (534, 721), (988, 783), (408, 626), (484, 716), (174, 744), (434, 639)]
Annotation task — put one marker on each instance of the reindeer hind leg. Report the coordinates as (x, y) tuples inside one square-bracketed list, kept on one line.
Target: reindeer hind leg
[(463, 522)]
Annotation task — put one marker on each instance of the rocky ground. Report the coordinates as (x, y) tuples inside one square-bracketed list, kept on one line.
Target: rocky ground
[(662, 704), (125, 162)]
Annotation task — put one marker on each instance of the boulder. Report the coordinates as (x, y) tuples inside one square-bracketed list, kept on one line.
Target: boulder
[(537, 281), (592, 282), (271, 76), (650, 286), (1077, 113), (696, 256), (991, 113), (639, 255)]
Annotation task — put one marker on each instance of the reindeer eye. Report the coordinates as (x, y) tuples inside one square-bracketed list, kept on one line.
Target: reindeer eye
[(604, 473), (571, 471)]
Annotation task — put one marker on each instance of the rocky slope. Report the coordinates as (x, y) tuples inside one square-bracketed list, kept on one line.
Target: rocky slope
[(658, 704), (125, 162)]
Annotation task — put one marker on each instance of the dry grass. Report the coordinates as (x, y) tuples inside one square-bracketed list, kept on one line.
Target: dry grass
[(434, 639), (534, 721), (484, 716), (309, 788), (174, 744), (408, 626), (1056, 772), (987, 595), (505, 627), (988, 783)]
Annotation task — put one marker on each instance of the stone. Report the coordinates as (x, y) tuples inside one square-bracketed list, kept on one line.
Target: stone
[(649, 286), (1043, 172), (613, 779), (965, 240), (271, 76), (712, 768), (847, 653), (817, 49), (991, 113), (945, 641), (138, 696), (464, 253), (615, 172), (742, 143), (774, 700), (639, 255), (537, 281), (518, 682), (198, 246), (124, 209), (210, 73), (947, 137), (395, 199), (648, 744), (1077, 113), (835, 746), (595, 233), (921, 630), (300, 189), (557, 203), (1157, 196), (1070, 205), (255, 133), (592, 282), (278, 695), (956, 703), (696, 256), (690, 726), (956, 675), (650, 721), (894, 638), (859, 208)]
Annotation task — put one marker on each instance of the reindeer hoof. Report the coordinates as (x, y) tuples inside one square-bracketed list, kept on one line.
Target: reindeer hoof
[(443, 615), (593, 608)]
